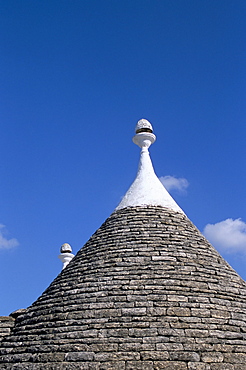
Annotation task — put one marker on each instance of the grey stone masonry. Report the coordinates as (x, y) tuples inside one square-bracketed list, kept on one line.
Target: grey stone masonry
[(6, 324), (147, 291)]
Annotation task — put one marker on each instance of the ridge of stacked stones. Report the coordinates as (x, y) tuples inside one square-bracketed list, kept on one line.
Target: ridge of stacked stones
[(147, 291), (6, 324)]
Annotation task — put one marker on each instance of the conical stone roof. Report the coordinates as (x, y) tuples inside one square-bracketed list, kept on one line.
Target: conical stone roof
[(147, 291)]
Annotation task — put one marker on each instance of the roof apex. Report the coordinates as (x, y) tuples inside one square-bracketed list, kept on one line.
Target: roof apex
[(147, 189)]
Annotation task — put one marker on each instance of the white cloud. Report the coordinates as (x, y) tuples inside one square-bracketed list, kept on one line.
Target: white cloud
[(228, 235), (174, 183), (4, 242)]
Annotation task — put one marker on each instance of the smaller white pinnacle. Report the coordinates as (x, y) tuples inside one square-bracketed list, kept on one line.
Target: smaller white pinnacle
[(66, 254)]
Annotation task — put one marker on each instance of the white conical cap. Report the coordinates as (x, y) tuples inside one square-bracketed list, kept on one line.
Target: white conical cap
[(147, 188)]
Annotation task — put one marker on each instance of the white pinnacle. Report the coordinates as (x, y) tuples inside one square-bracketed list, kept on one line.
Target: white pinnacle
[(147, 188), (66, 254)]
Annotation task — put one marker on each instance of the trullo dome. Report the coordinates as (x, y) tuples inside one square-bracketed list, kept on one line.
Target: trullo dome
[(147, 291)]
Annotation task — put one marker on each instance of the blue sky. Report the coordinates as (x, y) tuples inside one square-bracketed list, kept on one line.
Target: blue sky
[(76, 76)]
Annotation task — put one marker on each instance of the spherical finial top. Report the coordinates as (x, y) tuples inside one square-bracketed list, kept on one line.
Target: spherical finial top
[(66, 248), (144, 134), (143, 126)]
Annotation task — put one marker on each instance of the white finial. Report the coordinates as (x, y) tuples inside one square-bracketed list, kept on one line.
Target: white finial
[(147, 188), (143, 126), (144, 134), (66, 254)]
